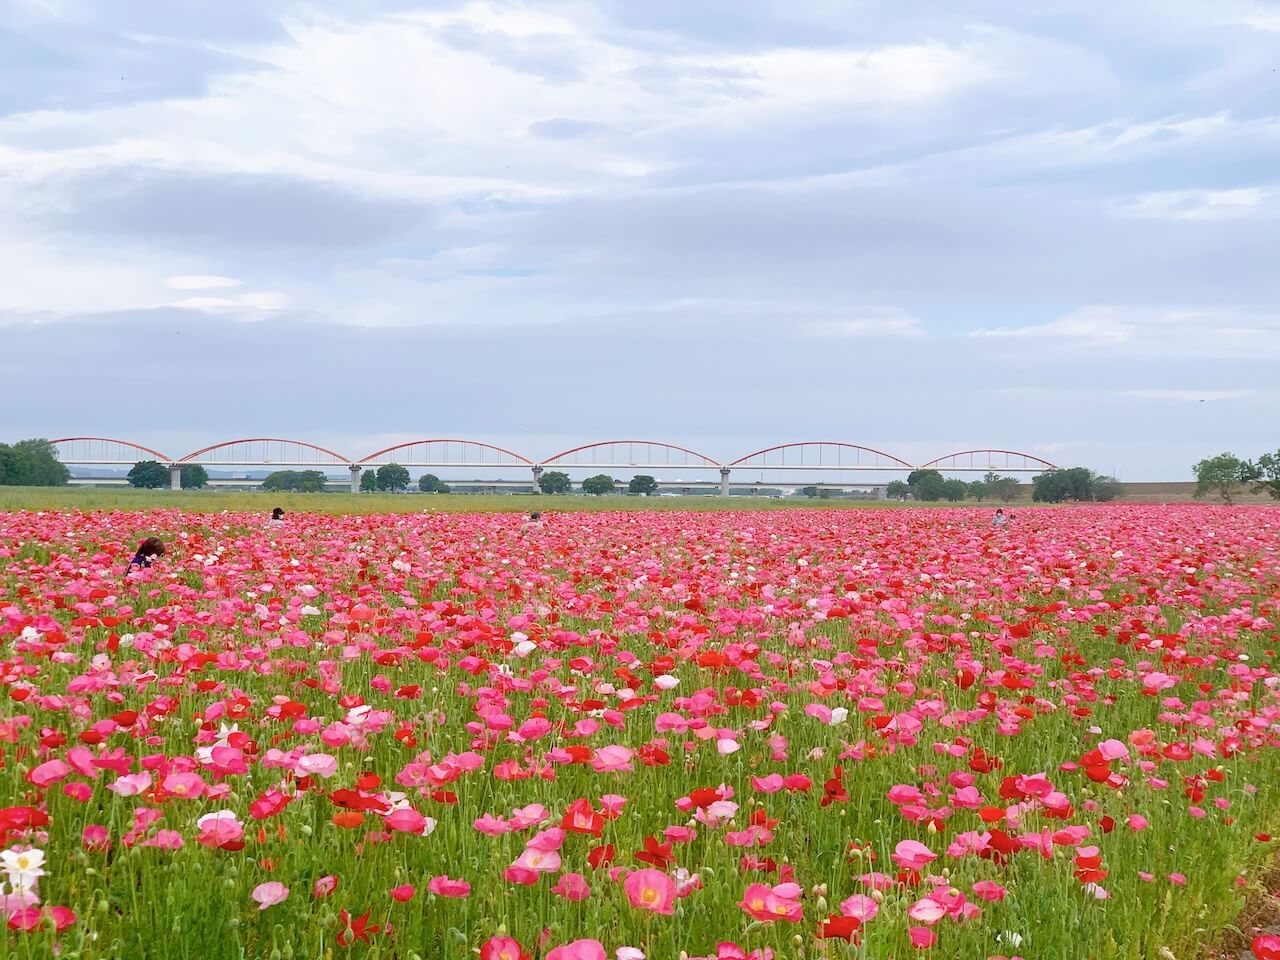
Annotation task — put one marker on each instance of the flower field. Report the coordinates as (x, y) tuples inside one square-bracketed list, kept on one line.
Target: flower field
[(623, 735)]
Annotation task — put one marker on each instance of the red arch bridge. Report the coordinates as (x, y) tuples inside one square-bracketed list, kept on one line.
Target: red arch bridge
[(827, 458)]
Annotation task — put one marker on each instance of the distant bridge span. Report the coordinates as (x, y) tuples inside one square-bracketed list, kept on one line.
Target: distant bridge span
[(820, 455)]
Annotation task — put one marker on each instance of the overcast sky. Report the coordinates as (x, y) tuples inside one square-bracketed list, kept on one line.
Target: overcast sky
[(922, 226)]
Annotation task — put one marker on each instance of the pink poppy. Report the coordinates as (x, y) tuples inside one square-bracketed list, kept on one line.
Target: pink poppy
[(269, 894), (442, 886), (579, 950), (651, 890)]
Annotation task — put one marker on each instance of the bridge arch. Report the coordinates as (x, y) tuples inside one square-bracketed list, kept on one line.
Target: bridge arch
[(448, 453), (262, 451), (653, 454), (104, 450), (820, 455), (990, 460)]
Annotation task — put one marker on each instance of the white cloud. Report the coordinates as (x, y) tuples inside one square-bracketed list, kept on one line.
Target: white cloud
[(865, 322), (1212, 332), (261, 302), (201, 282), (1206, 204)]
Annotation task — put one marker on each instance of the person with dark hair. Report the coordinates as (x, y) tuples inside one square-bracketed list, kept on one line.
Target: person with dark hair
[(998, 520), (277, 518), (534, 522), (148, 549)]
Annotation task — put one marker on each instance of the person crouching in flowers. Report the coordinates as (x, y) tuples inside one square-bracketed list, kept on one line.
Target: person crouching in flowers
[(148, 550)]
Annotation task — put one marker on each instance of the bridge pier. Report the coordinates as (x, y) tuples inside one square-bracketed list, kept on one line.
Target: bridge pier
[(175, 477), (537, 478), (724, 481), (355, 478)]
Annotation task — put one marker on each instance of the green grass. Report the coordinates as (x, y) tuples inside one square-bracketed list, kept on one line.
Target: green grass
[(214, 501)]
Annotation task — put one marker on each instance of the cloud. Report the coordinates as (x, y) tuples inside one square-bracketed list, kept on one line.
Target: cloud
[(865, 322), (255, 211), (1206, 204), (197, 282), (1213, 332), (1033, 208)]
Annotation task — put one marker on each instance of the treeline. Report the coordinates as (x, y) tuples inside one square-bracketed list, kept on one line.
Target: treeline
[(1055, 486), (32, 463), (1227, 475), (931, 485)]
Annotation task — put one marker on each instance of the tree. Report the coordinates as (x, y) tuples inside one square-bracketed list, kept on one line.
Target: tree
[(1106, 488), (368, 482), (896, 490), (926, 484), (194, 476), (1221, 475), (978, 490), (954, 490), (32, 463), (554, 481), (1001, 488), (1267, 474), (393, 477), (311, 481), (810, 492), (149, 475), (278, 480), (1072, 483), (430, 483), (301, 481), (643, 484), (598, 485)]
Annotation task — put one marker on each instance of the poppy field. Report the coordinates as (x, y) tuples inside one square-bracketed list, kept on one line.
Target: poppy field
[(735, 736)]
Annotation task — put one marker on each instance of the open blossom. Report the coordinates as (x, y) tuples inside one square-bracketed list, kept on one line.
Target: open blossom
[(913, 855), (442, 886), (22, 868), (579, 950), (651, 890), (269, 894), (781, 902)]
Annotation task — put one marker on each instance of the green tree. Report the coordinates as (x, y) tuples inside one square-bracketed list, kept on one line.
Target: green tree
[(896, 490), (598, 485), (926, 484), (430, 483), (1266, 472), (149, 475), (1057, 486), (311, 481), (811, 492), (554, 481), (393, 477), (643, 484), (1001, 488), (954, 490), (1106, 488), (280, 480), (1222, 475), (978, 490), (368, 482), (32, 463), (194, 476)]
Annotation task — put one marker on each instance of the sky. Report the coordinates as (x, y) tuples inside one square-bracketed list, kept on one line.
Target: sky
[(727, 224)]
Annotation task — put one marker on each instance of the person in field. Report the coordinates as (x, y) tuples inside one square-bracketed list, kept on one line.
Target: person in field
[(999, 519), (148, 550), (534, 522), (277, 518)]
